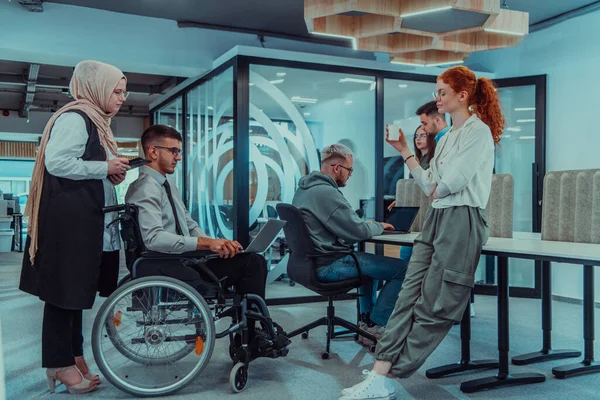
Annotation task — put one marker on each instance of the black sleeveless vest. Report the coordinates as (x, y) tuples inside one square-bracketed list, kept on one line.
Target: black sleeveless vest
[(71, 227)]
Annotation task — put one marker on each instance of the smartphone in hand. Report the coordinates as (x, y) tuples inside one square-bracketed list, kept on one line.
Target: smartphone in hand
[(138, 162)]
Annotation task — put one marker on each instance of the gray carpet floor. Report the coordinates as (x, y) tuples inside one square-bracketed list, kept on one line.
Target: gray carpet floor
[(303, 374)]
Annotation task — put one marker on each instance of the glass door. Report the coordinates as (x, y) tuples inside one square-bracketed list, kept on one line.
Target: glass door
[(521, 154)]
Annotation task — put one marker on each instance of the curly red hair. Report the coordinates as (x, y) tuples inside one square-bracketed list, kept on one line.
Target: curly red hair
[(483, 98)]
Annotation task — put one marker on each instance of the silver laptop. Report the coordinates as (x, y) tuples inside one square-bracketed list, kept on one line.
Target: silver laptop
[(265, 237)]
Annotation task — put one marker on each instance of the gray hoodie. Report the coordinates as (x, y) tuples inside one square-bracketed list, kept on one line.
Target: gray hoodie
[(332, 223)]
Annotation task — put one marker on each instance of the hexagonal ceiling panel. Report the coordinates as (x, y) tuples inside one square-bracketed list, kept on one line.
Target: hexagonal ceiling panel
[(419, 32)]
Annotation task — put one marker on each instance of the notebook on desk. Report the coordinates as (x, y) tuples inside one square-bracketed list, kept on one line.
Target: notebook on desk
[(402, 219)]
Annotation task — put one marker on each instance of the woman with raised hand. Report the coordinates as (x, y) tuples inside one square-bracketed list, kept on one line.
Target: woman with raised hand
[(441, 271)]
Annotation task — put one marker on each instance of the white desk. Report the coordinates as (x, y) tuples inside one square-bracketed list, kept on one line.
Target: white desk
[(530, 246)]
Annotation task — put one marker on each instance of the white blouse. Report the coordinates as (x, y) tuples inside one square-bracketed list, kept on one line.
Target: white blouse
[(64, 150), (462, 167)]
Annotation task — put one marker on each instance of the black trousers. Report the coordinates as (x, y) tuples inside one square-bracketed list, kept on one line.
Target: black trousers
[(62, 338), (247, 272), (62, 330)]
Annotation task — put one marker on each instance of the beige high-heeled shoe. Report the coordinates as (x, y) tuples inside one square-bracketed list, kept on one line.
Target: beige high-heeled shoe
[(89, 375), (85, 386)]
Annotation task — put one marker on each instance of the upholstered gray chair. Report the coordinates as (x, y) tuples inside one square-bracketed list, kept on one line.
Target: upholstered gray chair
[(499, 209), (409, 194), (571, 206)]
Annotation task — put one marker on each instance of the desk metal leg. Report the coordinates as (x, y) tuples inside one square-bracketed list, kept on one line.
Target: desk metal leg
[(546, 353), (504, 378), (588, 364), (465, 363)]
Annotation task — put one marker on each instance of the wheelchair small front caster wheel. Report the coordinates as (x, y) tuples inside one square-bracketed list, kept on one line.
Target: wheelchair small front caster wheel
[(305, 335), (238, 377), (324, 355), (292, 283), (372, 348)]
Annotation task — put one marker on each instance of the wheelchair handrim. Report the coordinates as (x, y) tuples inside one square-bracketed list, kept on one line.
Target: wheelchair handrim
[(129, 288)]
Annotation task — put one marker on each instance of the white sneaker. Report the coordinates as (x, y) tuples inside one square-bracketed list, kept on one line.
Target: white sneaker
[(389, 385), (373, 386)]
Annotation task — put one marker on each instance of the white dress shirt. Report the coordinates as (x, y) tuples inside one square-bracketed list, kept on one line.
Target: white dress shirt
[(64, 150), (462, 167), (156, 218)]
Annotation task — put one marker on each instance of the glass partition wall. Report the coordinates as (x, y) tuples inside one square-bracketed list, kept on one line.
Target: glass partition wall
[(254, 126)]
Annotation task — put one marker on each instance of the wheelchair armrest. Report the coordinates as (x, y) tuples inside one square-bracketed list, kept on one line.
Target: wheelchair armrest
[(204, 255)]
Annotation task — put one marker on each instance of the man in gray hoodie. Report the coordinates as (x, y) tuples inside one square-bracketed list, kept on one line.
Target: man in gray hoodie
[(334, 226)]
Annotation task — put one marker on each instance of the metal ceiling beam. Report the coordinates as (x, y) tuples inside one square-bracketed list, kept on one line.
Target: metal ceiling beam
[(64, 84), (32, 5), (547, 23), (29, 95), (261, 34)]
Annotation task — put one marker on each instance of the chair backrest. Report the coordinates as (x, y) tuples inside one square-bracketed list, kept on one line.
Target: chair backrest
[(301, 268), (131, 235), (499, 209), (409, 194), (571, 206)]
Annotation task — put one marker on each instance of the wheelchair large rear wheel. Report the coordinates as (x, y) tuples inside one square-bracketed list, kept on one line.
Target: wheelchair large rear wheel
[(153, 336)]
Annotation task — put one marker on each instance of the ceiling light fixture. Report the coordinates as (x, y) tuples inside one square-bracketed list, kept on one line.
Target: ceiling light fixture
[(280, 74), (407, 63), (307, 114), (402, 85), (251, 84), (354, 46), (445, 63), (348, 102), (525, 109), (210, 107), (373, 86), (355, 80), (425, 12), (514, 129), (298, 99), (276, 81), (527, 137), (504, 32), (522, 121), (428, 65)]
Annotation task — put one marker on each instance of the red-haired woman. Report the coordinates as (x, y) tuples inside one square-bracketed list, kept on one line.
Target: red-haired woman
[(441, 272)]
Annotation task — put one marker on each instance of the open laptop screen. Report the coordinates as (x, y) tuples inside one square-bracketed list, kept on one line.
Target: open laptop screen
[(402, 217)]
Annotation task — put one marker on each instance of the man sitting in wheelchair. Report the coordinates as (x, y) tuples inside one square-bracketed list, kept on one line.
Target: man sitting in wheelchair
[(166, 226)]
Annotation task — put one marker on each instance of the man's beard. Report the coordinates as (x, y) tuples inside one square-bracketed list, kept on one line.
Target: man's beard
[(340, 183)]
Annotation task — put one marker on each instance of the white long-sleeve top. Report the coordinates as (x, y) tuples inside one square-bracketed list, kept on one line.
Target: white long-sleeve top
[(462, 167), (64, 150)]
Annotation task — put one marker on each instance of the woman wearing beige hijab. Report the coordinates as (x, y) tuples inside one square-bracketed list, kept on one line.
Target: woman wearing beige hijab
[(71, 254)]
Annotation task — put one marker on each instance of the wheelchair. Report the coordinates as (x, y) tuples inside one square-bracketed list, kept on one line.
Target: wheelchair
[(156, 332)]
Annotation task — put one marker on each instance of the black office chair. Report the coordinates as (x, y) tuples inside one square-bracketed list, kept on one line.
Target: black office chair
[(302, 267)]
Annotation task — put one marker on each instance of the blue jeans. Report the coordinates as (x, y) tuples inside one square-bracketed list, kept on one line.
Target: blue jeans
[(391, 270), (405, 253)]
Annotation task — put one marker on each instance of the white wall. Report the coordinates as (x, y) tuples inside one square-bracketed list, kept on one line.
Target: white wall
[(569, 54), (123, 127)]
